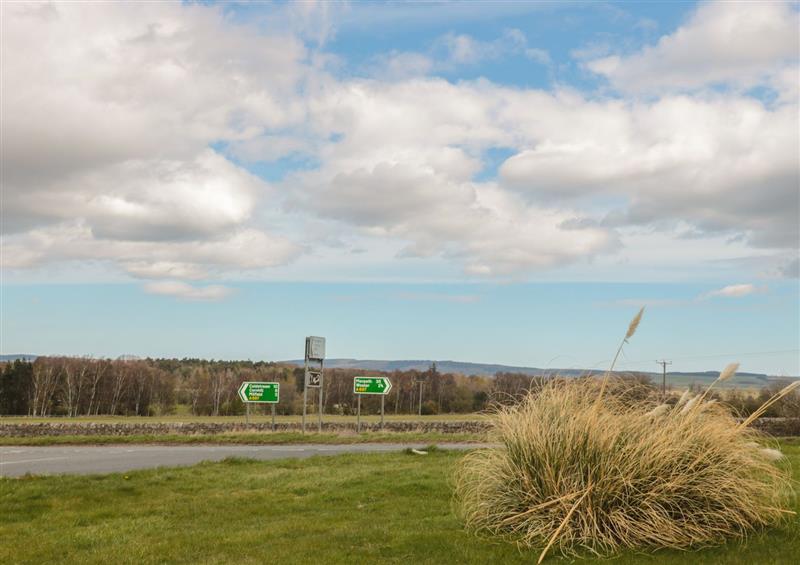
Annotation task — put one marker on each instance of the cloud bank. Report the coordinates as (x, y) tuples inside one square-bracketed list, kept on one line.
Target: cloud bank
[(174, 142)]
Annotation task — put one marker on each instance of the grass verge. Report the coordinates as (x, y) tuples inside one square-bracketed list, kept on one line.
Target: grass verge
[(364, 508)]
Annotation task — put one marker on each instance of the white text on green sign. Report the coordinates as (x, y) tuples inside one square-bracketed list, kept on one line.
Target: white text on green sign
[(371, 385), (259, 392)]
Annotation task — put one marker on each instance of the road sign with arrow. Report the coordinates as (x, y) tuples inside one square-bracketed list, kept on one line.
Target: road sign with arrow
[(371, 385), (268, 393)]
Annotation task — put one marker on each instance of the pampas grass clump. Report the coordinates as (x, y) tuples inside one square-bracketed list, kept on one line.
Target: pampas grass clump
[(576, 473)]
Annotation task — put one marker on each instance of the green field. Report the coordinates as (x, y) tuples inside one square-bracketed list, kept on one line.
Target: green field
[(366, 508)]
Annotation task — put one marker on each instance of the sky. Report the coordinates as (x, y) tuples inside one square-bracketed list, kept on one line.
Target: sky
[(499, 182)]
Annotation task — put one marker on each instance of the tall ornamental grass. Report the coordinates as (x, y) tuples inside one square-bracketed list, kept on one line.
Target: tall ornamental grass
[(581, 469)]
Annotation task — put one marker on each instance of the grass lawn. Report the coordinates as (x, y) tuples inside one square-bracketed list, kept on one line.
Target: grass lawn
[(253, 438), (366, 508)]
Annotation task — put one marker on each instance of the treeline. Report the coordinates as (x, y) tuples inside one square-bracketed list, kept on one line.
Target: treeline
[(745, 402), (70, 386)]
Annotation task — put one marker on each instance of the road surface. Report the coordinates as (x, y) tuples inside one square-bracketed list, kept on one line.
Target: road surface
[(18, 460)]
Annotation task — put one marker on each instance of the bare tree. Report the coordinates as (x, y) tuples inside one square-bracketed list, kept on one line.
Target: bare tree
[(45, 380), (74, 373), (98, 370), (119, 380)]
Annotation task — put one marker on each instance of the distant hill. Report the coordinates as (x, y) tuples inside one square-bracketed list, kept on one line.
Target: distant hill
[(479, 369), (675, 379), (20, 356)]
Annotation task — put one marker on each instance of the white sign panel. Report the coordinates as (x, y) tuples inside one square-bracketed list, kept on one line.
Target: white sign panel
[(316, 347)]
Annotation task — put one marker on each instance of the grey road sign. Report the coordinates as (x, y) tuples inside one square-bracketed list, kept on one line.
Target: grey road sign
[(313, 378), (315, 359), (315, 347)]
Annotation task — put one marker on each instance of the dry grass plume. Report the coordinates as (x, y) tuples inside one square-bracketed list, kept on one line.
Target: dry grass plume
[(576, 474)]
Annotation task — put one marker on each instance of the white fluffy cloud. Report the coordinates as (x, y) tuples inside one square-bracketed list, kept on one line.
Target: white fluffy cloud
[(186, 291), (405, 169), (110, 113), (723, 163), (410, 150), (734, 291), (146, 200), (738, 43), (192, 258)]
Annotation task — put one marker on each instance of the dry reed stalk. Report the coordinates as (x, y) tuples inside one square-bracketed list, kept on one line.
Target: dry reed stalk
[(775, 398), (634, 324), (728, 372)]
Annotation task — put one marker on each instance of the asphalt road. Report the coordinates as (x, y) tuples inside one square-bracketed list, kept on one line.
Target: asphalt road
[(16, 461)]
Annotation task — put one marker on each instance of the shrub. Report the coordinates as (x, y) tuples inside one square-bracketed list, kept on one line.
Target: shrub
[(581, 469), (429, 408)]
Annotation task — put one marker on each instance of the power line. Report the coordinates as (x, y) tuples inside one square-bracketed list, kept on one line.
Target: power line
[(717, 355), (601, 365)]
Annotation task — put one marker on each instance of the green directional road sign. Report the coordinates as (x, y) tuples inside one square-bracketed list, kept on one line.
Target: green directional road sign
[(259, 392), (371, 385)]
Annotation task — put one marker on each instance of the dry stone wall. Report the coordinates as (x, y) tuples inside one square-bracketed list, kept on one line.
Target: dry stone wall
[(779, 427), (203, 428)]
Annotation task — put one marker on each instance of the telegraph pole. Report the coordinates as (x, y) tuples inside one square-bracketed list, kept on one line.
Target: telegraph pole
[(664, 364)]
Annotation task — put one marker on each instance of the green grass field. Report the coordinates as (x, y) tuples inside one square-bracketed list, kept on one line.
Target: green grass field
[(368, 508)]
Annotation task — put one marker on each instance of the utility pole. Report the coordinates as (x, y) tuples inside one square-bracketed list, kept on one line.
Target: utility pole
[(664, 364)]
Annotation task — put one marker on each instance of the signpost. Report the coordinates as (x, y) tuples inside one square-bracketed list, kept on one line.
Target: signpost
[(370, 385), (260, 393), (264, 393), (315, 353)]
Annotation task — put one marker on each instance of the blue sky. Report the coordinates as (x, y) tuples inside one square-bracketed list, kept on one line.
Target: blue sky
[(564, 325), (485, 181)]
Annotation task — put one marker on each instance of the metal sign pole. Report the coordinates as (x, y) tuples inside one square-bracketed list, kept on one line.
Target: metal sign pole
[(315, 351), (259, 393), (305, 389), (321, 388), (358, 418), (371, 385)]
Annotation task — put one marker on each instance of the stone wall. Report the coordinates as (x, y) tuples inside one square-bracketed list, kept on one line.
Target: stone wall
[(772, 426), (778, 427), (208, 428)]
